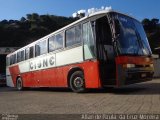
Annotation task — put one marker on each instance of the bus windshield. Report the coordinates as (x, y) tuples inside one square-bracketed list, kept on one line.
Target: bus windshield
[(132, 39)]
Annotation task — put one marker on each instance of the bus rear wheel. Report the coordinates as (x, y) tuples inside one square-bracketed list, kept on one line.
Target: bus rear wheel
[(19, 84), (77, 82)]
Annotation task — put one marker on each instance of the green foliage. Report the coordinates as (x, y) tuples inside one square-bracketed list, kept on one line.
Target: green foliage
[(16, 33), (152, 28)]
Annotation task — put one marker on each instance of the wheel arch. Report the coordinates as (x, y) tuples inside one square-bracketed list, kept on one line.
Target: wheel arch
[(17, 77), (71, 71)]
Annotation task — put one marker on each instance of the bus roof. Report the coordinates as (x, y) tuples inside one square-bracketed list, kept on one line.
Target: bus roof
[(63, 28)]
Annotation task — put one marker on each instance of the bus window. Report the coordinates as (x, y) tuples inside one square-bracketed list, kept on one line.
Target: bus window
[(78, 34), (31, 52), (73, 36), (59, 41), (52, 44), (14, 59), (19, 56), (26, 53), (88, 41), (41, 48), (56, 42), (22, 55), (7, 61), (11, 60), (70, 37)]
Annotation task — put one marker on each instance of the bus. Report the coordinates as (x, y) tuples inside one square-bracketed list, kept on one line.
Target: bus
[(106, 48)]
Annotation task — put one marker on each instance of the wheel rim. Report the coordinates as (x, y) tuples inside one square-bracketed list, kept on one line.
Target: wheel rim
[(78, 82)]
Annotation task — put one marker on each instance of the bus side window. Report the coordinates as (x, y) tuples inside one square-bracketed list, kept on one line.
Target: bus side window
[(88, 40), (59, 41), (14, 60), (19, 56), (52, 45), (70, 37), (73, 36), (26, 53), (7, 61), (31, 52), (41, 48), (11, 60), (56, 42), (22, 55)]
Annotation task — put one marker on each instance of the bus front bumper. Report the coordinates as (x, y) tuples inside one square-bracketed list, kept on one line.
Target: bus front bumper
[(127, 76)]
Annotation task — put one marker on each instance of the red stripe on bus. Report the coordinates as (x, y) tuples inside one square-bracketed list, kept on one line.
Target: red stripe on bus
[(133, 60), (57, 76)]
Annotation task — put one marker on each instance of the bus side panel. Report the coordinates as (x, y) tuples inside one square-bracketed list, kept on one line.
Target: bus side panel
[(60, 81), (91, 73), (45, 76), (14, 71), (28, 79), (57, 77), (51, 74), (27, 76)]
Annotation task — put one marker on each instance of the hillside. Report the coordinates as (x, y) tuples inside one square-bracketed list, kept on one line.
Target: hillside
[(21, 32)]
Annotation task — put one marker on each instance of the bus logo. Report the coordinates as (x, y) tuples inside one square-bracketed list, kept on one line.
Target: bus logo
[(42, 63)]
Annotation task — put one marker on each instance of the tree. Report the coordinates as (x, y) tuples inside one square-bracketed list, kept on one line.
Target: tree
[(23, 19), (152, 28)]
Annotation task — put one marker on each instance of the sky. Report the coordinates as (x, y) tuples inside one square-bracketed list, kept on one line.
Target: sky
[(15, 9)]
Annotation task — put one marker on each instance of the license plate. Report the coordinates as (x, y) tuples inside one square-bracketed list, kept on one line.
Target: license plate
[(143, 75)]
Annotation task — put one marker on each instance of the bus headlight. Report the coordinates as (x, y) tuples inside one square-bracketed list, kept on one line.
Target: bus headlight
[(129, 65), (151, 65)]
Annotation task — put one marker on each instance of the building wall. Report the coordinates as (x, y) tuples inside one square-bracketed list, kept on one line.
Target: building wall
[(157, 67)]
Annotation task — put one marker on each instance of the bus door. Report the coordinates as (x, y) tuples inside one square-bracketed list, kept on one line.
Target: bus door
[(105, 51)]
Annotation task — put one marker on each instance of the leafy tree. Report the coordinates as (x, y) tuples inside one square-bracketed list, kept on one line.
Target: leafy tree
[(152, 28), (23, 19)]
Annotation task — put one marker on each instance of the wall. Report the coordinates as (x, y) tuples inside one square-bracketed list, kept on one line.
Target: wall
[(156, 67)]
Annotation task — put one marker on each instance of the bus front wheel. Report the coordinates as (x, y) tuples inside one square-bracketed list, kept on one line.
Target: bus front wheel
[(19, 84), (77, 82)]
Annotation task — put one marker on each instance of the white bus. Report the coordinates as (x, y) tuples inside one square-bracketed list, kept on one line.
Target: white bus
[(101, 49)]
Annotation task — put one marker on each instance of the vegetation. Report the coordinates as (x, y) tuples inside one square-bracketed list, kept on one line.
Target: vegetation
[(152, 28), (18, 33)]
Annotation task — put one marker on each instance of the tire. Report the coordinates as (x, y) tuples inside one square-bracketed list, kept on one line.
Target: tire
[(19, 84), (77, 82)]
